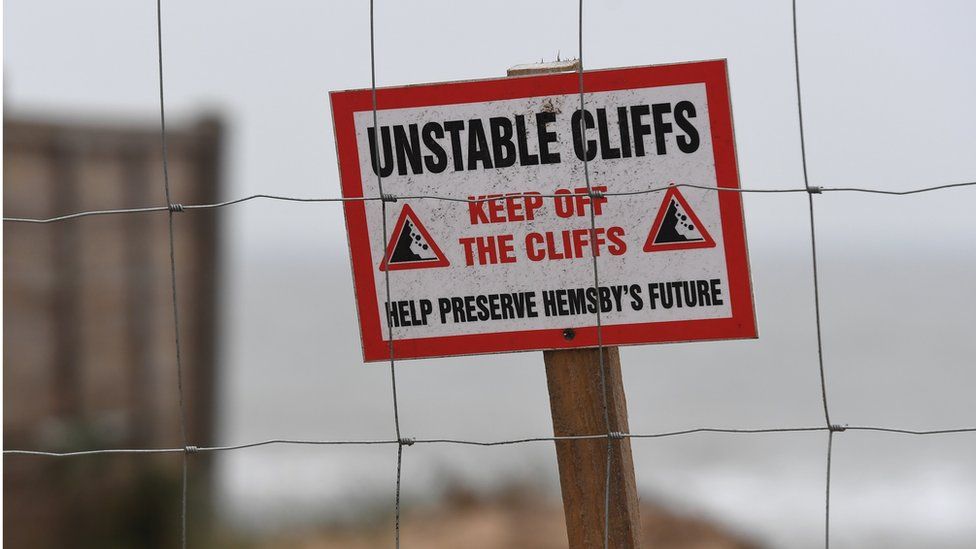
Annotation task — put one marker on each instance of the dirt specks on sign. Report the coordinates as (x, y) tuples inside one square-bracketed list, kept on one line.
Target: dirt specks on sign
[(549, 106)]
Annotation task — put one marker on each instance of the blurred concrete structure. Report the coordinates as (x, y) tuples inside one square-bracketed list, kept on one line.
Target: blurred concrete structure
[(88, 354)]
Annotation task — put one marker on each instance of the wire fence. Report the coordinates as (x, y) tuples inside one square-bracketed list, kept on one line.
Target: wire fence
[(401, 441)]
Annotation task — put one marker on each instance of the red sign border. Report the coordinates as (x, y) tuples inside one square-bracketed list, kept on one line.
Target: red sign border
[(714, 74)]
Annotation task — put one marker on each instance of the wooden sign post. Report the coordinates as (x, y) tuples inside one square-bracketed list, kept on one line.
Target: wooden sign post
[(576, 400), (576, 397)]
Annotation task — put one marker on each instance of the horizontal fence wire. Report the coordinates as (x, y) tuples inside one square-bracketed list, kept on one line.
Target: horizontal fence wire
[(501, 442), (447, 198)]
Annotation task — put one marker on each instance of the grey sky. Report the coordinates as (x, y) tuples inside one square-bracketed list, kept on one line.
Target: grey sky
[(886, 85)]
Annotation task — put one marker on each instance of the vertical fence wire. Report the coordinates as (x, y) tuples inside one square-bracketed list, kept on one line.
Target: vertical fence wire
[(830, 453), (813, 232), (172, 209), (596, 287), (816, 278), (386, 274)]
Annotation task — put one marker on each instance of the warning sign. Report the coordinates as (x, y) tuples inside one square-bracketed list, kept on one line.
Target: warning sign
[(411, 246), (503, 260), (676, 226)]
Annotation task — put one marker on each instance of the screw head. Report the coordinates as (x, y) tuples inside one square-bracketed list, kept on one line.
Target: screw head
[(569, 334)]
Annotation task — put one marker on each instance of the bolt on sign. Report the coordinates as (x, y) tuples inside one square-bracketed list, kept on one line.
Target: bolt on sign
[(510, 267)]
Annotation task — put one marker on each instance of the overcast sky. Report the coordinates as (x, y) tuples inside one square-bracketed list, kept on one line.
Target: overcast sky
[(887, 86)]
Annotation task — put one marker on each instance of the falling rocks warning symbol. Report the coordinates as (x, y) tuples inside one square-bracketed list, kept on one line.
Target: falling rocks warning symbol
[(676, 226), (411, 246)]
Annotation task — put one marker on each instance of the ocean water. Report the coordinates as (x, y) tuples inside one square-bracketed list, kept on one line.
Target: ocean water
[(898, 352)]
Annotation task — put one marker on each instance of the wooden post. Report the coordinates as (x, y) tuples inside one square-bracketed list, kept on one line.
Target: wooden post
[(576, 398)]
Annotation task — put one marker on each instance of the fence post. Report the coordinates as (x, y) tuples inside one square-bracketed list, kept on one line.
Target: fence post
[(576, 399)]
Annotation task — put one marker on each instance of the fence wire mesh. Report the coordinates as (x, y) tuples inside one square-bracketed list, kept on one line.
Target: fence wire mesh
[(399, 440)]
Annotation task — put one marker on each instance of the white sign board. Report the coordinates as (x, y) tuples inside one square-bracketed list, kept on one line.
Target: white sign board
[(509, 267)]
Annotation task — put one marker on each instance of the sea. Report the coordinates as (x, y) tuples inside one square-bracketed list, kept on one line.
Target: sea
[(898, 342)]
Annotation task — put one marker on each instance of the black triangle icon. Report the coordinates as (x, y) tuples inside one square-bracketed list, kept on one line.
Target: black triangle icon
[(410, 238), (676, 226), (411, 246), (668, 232)]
